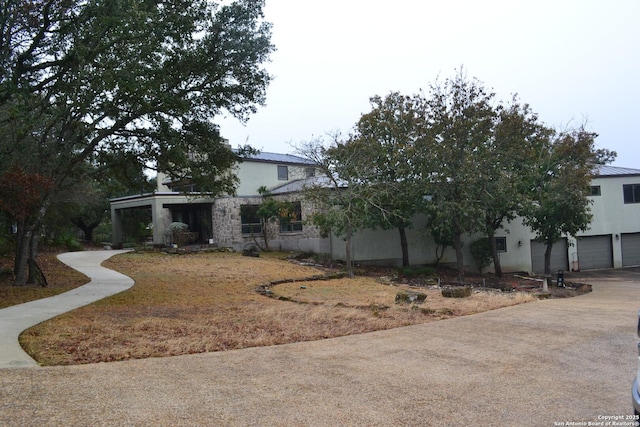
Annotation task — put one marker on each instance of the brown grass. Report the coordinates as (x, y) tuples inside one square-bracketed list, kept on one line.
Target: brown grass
[(59, 277), (196, 303)]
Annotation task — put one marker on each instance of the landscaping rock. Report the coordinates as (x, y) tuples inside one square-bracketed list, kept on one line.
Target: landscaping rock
[(409, 297), (251, 252), (457, 292)]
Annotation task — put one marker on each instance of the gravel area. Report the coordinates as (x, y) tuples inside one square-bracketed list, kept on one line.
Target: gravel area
[(554, 361)]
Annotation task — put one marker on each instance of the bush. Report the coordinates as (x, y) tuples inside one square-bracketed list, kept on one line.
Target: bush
[(73, 245), (481, 251), (69, 243)]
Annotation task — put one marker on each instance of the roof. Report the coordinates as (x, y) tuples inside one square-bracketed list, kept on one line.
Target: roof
[(278, 158), (301, 184), (604, 171)]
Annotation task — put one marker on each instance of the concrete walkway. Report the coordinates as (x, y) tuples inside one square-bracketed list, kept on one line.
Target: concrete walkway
[(15, 319), (546, 363)]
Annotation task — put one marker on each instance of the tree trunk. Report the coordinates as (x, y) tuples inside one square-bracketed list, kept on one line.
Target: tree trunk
[(34, 269), (547, 267), (494, 252), (457, 245), (349, 261), (87, 230), (404, 245), (22, 254), (439, 253), (88, 233), (265, 236), (24, 241)]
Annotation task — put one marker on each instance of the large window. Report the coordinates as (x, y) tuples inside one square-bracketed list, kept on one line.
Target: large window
[(291, 219), (283, 173), (631, 193), (250, 220)]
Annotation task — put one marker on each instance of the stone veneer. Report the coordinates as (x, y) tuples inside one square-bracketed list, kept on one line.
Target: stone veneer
[(227, 227)]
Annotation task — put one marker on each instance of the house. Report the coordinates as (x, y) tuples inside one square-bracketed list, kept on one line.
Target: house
[(226, 221), (612, 240)]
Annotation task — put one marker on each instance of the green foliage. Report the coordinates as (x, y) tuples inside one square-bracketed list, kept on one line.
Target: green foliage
[(460, 157), (92, 82), (417, 271), (450, 156), (481, 252), (385, 140), (135, 225), (340, 196), (68, 242), (102, 233), (269, 211), (560, 185), (73, 245)]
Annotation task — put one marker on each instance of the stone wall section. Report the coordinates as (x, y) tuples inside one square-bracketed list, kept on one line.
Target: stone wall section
[(227, 226)]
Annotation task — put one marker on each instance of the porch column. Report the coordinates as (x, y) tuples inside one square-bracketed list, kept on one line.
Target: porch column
[(158, 222), (116, 227)]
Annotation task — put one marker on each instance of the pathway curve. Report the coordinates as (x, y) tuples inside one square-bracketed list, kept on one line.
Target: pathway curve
[(546, 363), (15, 319)]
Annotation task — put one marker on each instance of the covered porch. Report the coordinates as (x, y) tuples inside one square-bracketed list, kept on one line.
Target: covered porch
[(147, 218)]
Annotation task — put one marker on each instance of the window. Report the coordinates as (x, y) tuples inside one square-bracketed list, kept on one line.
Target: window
[(595, 190), (310, 172), (250, 221), (631, 193), (501, 244), (291, 218), (283, 173)]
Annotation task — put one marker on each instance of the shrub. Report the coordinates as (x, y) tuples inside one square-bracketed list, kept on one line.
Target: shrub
[(481, 251), (73, 245)]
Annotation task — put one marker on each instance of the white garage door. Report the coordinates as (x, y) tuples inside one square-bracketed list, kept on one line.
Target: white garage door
[(595, 252), (630, 249), (559, 256)]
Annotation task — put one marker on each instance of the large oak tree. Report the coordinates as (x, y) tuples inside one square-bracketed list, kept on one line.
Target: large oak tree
[(561, 183), (79, 78)]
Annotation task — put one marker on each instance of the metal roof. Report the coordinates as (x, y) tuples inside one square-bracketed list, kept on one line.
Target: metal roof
[(605, 170), (279, 158)]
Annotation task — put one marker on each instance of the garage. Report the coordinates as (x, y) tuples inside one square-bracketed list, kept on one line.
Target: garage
[(630, 249), (559, 256), (595, 252)]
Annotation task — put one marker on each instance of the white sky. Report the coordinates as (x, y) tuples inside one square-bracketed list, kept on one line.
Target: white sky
[(572, 61)]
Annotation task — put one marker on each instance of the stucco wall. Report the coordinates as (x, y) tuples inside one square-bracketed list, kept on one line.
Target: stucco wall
[(610, 217), (253, 175)]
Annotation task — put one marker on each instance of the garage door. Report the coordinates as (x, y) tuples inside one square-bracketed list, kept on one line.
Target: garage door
[(630, 249), (595, 252), (559, 256)]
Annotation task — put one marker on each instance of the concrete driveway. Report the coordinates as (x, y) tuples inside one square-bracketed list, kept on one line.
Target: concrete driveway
[(538, 364)]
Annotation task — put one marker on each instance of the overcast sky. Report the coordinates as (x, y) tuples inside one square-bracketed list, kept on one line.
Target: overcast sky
[(572, 61)]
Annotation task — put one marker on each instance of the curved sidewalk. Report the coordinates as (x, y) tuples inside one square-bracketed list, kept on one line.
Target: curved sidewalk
[(546, 363), (15, 319)]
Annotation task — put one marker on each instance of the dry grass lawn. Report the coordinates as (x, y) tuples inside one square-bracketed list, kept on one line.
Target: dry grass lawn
[(197, 303)]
